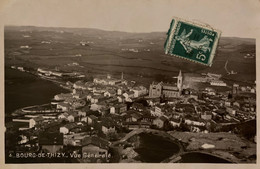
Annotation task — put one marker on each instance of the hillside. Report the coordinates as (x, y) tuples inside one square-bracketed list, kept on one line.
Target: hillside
[(108, 51)]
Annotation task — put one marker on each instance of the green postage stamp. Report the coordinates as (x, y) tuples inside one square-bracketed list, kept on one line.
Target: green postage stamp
[(193, 41)]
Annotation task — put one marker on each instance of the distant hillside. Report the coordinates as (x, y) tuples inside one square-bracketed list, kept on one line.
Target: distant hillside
[(108, 51)]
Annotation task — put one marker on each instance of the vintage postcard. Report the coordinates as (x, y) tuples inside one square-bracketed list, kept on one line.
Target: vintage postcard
[(95, 82)]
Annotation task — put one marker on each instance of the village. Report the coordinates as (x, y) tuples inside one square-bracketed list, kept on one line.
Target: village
[(96, 114)]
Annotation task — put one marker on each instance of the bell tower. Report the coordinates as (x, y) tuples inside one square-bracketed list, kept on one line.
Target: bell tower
[(179, 81), (122, 76)]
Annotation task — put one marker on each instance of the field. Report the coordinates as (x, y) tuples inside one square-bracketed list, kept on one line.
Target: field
[(108, 52)]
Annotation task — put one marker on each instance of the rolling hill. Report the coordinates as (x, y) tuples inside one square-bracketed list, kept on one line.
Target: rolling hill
[(135, 54)]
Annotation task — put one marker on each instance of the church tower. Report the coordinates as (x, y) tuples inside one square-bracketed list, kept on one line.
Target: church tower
[(179, 81), (122, 76)]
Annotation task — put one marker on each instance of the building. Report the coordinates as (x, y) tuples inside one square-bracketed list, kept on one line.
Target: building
[(72, 117), (169, 90), (28, 122), (158, 111), (128, 95), (217, 83), (160, 122), (97, 98), (155, 90), (175, 122), (79, 85), (118, 108), (51, 142), (107, 126), (231, 111), (206, 115), (63, 106), (36, 121), (95, 147), (235, 88), (63, 116), (62, 96), (107, 81), (67, 128), (110, 93), (139, 91), (90, 120), (166, 89), (97, 106), (133, 116)]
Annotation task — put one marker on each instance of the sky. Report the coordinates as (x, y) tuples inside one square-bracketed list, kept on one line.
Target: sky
[(239, 18)]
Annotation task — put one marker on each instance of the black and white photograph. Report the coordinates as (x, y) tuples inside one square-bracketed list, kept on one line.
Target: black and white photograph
[(122, 82)]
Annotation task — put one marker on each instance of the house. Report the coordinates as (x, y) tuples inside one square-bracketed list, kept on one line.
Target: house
[(108, 126), (133, 117), (67, 128), (207, 115), (139, 91), (114, 81), (89, 96), (79, 85), (36, 121), (78, 95), (100, 81), (63, 106), (126, 98), (118, 109), (62, 96), (97, 98), (160, 121), (136, 125), (112, 100), (154, 101), (110, 93), (83, 112), (231, 111), (51, 142), (168, 114), (137, 106), (90, 120), (23, 140), (97, 106), (119, 91), (95, 147), (236, 104), (227, 103), (147, 118), (175, 122), (70, 84), (194, 122), (74, 139), (72, 117), (158, 111), (130, 94), (63, 116), (120, 99), (100, 90), (104, 110), (90, 86)]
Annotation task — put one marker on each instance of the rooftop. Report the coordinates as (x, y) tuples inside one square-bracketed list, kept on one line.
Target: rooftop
[(97, 141)]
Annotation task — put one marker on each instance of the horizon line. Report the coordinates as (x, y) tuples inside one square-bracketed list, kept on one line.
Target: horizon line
[(68, 27)]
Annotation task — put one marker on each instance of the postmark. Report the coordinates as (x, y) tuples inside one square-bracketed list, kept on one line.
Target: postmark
[(192, 41)]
